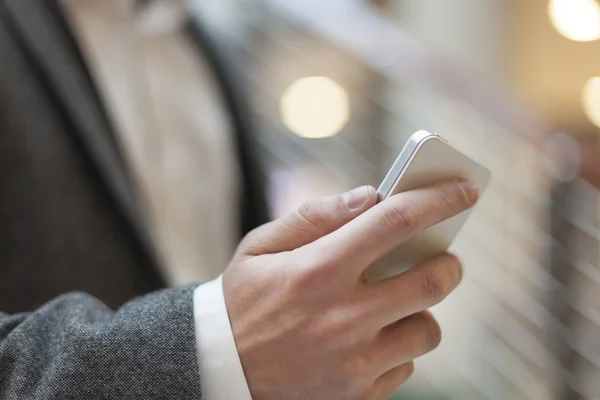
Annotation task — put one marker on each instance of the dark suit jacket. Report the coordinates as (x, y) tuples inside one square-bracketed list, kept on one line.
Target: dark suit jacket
[(70, 221), (69, 215)]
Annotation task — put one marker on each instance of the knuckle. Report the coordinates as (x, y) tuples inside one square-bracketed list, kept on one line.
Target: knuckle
[(463, 196), (310, 271), (447, 198), (252, 241), (348, 321), (433, 284), (401, 216), (253, 236), (321, 263), (311, 211), (314, 269)]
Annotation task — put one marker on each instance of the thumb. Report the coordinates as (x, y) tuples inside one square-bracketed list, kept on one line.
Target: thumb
[(314, 219)]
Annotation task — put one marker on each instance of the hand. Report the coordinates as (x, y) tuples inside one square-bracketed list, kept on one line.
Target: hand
[(308, 326)]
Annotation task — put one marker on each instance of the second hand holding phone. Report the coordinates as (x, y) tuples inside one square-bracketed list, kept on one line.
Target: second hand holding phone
[(426, 159)]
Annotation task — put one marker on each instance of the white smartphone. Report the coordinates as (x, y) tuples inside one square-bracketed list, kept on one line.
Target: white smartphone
[(426, 159)]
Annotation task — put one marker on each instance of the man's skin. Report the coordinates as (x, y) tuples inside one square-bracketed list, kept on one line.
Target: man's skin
[(306, 323)]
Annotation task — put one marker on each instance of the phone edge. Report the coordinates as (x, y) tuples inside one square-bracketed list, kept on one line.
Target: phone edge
[(408, 151)]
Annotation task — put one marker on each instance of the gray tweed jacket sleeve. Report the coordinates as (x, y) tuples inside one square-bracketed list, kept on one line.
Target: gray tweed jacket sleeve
[(74, 347)]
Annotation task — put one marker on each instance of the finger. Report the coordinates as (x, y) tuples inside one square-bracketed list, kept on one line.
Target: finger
[(384, 227), (406, 340), (312, 220), (415, 290), (386, 385)]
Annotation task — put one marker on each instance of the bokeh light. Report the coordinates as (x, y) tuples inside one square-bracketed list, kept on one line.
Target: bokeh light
[(577, 20), (315, 107), (591, 100)]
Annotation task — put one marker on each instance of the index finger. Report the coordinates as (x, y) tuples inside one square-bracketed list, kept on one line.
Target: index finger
[(386, 226)]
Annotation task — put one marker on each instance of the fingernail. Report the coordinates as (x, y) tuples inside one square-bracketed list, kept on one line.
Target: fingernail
[(356, 198), (470, 190)]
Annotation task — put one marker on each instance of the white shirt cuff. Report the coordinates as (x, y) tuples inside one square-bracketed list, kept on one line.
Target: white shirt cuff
[(221, 373)]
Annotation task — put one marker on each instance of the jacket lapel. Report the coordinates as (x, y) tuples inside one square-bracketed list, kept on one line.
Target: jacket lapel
[(254, 211), (53, 49)]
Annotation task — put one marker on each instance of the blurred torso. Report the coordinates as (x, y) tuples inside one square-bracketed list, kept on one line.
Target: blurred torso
[(171, 125)]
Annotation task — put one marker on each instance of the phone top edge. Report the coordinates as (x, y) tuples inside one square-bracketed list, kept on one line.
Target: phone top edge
[(409, 149)]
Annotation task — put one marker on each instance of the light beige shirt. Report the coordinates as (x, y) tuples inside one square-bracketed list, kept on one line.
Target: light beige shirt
[(170, 121)]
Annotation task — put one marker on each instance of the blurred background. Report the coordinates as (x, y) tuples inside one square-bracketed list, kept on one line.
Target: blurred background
[(336, 87)]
